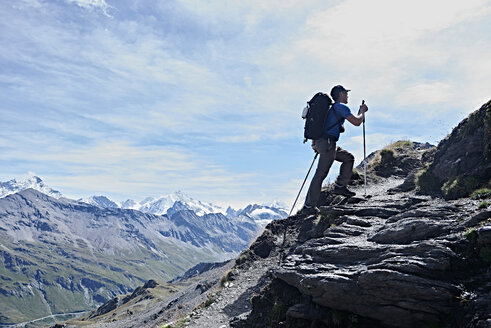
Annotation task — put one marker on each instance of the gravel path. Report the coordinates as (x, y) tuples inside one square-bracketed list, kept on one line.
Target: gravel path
[(234, 299)]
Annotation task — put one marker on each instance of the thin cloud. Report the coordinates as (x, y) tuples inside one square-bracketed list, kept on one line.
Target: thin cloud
[(93, 5), (23, 4), (391, 43), (426, 93), (124, 170)]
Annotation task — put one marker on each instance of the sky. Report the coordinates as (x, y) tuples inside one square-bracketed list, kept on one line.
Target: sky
[(135, 98)]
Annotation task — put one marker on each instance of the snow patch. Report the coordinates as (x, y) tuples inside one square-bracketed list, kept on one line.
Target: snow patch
[(33, 182)]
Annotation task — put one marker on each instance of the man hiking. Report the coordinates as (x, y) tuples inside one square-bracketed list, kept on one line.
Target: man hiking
[(328, 151)]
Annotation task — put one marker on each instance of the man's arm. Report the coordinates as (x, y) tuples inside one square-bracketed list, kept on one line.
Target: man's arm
[(357, 120)]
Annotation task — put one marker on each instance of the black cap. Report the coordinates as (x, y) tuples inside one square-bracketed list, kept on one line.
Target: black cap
[(336, 90)]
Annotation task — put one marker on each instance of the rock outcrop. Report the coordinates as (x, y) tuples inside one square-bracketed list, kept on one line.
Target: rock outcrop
[(462, 162), (399, 159), (389, 261)]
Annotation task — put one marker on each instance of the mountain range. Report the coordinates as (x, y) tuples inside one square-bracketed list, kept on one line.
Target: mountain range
[(179, 201), (160, 205), (59, 255)]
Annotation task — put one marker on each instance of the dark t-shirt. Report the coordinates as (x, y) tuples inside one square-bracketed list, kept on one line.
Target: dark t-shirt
[(338, 112)]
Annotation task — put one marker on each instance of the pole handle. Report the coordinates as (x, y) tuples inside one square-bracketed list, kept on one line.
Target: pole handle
[(363, 103)]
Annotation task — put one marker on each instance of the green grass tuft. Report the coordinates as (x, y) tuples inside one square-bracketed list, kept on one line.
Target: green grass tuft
[(178, 324), (386, 156), (481, 193), (400, 145), (459, 187), (241, 259), (277, 312), (226, 277), (483, 205), (471, 235), (209, 301)]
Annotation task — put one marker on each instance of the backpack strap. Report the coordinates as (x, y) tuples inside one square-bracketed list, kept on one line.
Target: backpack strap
[(339, 120)]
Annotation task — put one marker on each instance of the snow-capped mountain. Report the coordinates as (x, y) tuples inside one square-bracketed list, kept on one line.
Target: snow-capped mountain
[(179, 201), (263, 214), (231, 213), (162, 204), (101, 201), (129, 204), (277, 204), (33, 182)]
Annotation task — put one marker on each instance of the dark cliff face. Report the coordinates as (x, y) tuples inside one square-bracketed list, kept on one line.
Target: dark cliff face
[(462, 161), (398, 159)]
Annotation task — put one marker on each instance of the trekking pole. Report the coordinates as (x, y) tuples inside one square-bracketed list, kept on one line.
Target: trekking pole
[(315, 157), (364, 154), (284, 233)]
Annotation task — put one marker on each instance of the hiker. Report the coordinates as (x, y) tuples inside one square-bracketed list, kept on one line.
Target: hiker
[(328, 151)]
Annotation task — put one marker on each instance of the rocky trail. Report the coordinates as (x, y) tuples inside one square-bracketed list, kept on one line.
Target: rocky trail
[(395, 259), (232, 303)]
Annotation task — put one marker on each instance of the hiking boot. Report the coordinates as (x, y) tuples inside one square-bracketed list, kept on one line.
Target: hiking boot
[(342, 190), (309, 210)]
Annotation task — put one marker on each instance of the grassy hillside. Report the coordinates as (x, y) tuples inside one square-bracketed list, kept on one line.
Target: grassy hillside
[(40, 279)]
